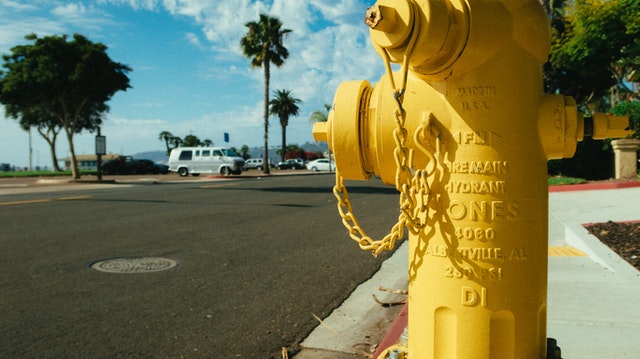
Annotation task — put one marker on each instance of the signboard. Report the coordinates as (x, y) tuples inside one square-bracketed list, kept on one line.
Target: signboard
[(226, 137), (101, 145)]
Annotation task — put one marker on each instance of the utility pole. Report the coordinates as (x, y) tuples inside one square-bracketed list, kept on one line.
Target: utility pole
[(101, 149), (30, 152)]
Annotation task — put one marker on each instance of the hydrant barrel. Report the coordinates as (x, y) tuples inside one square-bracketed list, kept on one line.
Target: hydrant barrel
[(464, 131), (477, 272)]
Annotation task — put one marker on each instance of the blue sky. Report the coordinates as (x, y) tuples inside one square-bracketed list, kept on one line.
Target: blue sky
[(189, 75)]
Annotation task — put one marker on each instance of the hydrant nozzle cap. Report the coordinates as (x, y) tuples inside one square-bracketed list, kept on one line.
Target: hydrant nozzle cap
[(609, 126), (320, 131)]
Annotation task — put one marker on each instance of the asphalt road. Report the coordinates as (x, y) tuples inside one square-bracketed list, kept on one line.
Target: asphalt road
[(257, 259)]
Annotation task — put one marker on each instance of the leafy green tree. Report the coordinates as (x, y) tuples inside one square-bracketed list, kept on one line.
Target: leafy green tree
[(631, 109), (191, 141), (47, 126), (292, 151), (594, 57), (321, 116), (596, 50), (244, 152), (207, 143), (65, 83), (284, 105), (263, 44)]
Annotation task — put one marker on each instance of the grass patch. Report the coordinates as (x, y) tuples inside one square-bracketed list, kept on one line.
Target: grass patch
[(12, 174), (558, 181)]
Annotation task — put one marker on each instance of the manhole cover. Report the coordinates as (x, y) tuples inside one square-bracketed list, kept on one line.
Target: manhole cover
[(134, 265)]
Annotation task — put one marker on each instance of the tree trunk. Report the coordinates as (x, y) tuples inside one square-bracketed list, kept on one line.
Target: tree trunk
[(52, 147), (266, 168), (54, 158), (75, 174), (284, 140)]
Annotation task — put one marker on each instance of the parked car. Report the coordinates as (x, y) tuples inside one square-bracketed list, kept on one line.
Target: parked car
[(155, 168), (257, 163), (295, 164), (127, 165), (321, 164)]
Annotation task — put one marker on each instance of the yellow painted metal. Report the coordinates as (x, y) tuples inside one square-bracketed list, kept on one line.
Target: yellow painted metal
[(345, 136), (474, 108), (560, 126), (610, 126)]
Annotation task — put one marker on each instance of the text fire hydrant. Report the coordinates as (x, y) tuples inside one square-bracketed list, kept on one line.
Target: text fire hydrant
[(464, 131)]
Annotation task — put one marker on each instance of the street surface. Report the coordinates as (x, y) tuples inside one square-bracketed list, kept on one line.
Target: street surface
[(257, 259)]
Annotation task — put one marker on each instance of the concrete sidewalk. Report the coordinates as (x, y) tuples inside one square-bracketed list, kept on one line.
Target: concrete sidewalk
[(593, 297), (593, 300)]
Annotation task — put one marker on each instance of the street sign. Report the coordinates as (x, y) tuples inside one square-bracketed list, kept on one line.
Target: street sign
[(101, 145)]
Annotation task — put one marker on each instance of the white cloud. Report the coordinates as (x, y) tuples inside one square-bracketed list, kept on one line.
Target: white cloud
[(341, 11), (16, 6), (295, 15), (329, 44), (19, 20), (243, 125), (135, 4), (338, 46), (70, 10), (194, 40)]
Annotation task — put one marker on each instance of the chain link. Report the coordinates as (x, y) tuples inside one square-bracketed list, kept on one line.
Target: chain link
[(412, 184), (415, 194)]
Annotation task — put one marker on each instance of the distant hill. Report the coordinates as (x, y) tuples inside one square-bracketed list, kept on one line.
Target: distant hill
[(155, 156)]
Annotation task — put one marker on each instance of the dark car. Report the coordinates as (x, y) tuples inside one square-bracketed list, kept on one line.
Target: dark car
[(295, 164), (129, 165), (155, 168)]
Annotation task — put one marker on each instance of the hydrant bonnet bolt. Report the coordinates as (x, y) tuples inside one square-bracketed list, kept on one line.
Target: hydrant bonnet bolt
[(320, 131), (390, 23)]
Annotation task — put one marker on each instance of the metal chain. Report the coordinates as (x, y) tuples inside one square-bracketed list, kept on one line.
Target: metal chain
[(353, 226), (412, 184), (415, 194)]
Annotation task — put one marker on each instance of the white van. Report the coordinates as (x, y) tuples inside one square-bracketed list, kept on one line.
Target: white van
[(197, 160)]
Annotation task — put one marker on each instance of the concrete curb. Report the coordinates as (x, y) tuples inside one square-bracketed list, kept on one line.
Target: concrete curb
[(360, 323)]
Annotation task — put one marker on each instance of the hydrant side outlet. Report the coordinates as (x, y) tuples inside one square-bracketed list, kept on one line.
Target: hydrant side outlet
[(346, 140)]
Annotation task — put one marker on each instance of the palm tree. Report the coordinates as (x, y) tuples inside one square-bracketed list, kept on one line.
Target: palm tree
[(283, 106), (166, 137), (319, 115), (263, 45), (244, 151), (322, 116), (176, 141)]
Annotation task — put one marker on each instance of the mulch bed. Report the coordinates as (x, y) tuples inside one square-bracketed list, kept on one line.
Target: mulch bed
[(623, 238)]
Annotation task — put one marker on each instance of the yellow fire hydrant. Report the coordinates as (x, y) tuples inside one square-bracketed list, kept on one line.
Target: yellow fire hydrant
[(464, 131)]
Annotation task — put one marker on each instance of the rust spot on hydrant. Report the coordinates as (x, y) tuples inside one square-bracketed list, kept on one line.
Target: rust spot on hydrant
[(373, 16)]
